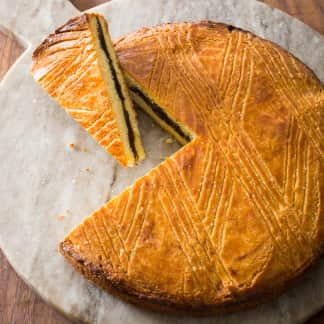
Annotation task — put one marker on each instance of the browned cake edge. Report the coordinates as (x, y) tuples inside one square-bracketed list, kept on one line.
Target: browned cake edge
[(101, 278), (74, 24)]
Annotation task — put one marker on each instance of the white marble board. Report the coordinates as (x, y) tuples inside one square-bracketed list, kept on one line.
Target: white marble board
[(42, 177)]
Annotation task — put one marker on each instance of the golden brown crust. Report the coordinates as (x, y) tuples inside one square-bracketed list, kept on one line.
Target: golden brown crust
[(66, 65), (235, 216), (75, 24)]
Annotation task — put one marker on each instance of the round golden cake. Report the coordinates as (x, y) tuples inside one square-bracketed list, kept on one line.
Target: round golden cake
[(236, 215)]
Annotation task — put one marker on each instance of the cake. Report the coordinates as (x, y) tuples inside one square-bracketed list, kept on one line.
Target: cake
[(78, 67), (235, 216)]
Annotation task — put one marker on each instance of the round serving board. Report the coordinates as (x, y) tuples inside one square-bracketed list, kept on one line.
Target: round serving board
[(47, 187)]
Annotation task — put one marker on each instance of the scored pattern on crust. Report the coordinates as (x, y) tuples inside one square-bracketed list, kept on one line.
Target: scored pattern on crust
[(236, 213)]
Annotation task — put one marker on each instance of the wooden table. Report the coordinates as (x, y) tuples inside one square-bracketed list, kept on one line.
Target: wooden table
[(18, 303)]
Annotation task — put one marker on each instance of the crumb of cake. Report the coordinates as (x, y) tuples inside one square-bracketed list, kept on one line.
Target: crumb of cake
[(88, 169), (85, 149), (72, 145), (169, 140), (60, 217)]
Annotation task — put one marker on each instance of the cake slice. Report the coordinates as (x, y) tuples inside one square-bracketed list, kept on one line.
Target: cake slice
[(78, 67)]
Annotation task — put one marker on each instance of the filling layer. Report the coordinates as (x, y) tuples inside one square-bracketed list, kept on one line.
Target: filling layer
[(161, 114), (130, 131)]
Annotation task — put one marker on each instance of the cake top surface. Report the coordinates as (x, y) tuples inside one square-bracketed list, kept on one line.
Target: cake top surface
[(236, 215)]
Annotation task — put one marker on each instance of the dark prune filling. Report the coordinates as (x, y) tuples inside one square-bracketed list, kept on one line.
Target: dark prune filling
[(160, 113), (130, 131)]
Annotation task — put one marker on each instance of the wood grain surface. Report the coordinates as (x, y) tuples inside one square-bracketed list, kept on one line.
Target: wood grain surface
[(18, 303)]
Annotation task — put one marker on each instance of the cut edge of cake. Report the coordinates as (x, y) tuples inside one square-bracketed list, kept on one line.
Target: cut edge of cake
[(155, 110), (122, 105)]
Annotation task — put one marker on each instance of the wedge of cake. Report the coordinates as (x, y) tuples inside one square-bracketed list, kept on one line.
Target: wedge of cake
[(78, 67), (236, 215)]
